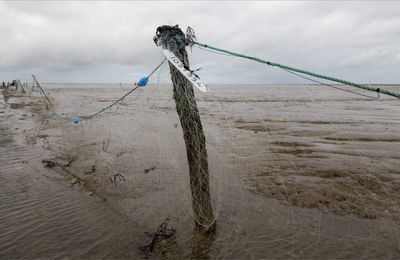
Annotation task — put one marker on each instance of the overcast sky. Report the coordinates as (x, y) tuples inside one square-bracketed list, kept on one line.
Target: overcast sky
[(104, 42)]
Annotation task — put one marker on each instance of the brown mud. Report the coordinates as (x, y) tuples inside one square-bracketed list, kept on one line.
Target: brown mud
[(291, 176)]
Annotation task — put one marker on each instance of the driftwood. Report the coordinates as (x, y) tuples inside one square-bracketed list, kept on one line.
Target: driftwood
[(163, 232)]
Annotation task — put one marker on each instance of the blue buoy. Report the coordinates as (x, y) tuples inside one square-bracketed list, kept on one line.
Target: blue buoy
[(143, 81), (75, 121)]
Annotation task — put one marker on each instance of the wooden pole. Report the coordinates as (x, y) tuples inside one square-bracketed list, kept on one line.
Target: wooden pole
[(173, 38), (41, 89)]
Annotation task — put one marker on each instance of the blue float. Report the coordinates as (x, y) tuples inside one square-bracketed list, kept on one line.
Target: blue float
[(75, 121), (143, 81)]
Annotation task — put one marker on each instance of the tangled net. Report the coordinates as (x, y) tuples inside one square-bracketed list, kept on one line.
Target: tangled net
[(295, 170)]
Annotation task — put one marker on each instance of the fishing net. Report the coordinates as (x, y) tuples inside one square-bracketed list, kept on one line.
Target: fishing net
[(295, 170), (173, 39)]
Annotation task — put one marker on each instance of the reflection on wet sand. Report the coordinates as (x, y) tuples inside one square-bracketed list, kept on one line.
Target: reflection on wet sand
[(290, 175)]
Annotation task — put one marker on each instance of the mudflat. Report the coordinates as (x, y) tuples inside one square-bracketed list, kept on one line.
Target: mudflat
[(295, 171)]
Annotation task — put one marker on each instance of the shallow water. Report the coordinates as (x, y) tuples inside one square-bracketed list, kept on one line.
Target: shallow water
[(295, 172), (40, 215)]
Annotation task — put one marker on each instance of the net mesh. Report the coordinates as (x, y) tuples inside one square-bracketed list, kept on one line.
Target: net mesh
[(299, 170)]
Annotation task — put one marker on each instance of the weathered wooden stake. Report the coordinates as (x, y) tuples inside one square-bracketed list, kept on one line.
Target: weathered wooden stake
[(41, 89), (192, 128)]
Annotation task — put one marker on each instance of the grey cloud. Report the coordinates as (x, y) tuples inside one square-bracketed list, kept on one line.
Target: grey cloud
[(112, 41)]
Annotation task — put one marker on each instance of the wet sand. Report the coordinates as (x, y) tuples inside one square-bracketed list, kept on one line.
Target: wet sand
[(296, 171)]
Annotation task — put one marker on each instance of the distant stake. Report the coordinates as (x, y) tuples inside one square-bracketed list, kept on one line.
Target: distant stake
[(173, 39), (48, 100)]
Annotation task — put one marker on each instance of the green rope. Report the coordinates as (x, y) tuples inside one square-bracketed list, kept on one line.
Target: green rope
[(121, 98), (361, 86), (104, 109)]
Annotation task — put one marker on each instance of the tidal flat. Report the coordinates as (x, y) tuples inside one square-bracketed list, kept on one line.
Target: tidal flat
[(296, 171)]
